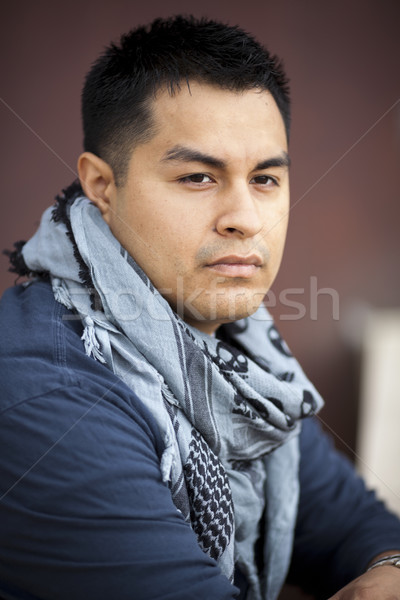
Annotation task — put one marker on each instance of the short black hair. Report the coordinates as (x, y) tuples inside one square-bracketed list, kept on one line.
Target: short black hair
[(116, 98)]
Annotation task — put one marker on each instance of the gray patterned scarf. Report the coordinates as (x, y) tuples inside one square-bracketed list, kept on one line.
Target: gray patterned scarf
[(222, 404)]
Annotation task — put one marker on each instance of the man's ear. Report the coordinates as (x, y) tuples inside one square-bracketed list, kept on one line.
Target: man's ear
[(97, 181)]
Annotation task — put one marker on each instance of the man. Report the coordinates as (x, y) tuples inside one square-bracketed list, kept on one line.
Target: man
[(157, 434)]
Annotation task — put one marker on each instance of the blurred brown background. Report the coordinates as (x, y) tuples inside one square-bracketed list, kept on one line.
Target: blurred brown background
[(342, 58)]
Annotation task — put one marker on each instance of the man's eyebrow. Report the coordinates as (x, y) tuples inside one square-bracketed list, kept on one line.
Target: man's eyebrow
[(277, 161), (185, 154)]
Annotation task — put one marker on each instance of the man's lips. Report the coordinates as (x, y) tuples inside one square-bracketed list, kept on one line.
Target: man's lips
[(236, 266)]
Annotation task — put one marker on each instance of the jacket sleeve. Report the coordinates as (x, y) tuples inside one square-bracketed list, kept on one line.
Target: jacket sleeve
[(341, 525), (84, 513)]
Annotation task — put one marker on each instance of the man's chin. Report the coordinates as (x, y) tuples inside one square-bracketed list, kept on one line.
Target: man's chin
[(209, 320)]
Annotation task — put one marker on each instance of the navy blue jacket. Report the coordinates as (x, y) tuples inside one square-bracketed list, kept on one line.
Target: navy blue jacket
[(84, 513)]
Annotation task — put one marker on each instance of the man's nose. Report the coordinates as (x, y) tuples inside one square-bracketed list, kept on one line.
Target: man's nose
[(239, 213)]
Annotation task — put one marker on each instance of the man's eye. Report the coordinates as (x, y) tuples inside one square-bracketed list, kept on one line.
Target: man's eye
[(266, 180), (196, 178)]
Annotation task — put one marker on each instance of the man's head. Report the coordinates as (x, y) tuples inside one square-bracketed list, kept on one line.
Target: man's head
[(202, 201), (168, 54)]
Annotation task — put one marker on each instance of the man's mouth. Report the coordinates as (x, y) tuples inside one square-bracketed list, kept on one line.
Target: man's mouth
[(236, 266)]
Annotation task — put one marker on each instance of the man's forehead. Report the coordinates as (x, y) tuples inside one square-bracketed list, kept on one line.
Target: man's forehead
[(191, 94), (216, 121)]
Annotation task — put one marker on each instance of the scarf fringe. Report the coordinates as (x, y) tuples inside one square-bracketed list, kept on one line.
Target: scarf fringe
[(92, 346), (61, 294)]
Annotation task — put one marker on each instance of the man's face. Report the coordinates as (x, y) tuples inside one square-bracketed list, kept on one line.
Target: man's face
[(205, 204)]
